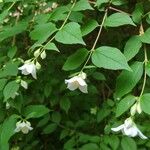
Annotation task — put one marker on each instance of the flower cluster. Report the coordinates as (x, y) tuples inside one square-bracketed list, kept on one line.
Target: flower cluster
[(23, 126)]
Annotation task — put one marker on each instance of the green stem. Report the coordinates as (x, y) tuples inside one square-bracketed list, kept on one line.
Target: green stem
[(65, 21), (11, 6), (145, 76), (96, 40)]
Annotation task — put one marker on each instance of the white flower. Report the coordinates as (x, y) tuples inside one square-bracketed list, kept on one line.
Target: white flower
[(28, 68), (24, 84), (77, 82), (130, 129), (23, 126)]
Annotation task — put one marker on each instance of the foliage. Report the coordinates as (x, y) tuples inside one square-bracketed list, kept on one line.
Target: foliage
[(100, 49)]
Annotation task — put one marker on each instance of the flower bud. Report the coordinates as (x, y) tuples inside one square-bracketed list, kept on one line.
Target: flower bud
[(38, 66), (133, 109), (43, 55), (37, 53), (24, 84), (138, 108)]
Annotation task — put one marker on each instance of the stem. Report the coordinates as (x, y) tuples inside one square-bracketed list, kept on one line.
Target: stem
[(96, 40), (118, 10), (11, 6), (145, 76), (43, 47), (145, 63)]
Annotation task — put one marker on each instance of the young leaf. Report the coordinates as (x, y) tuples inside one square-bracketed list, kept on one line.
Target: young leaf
[(145, 103), (75, 60), (118, 19), (145, 38), (70, 34), (10, 90), (132, 47), (127, 80), (125, 104), (35, 111), (89, 27), (109, 58), (82, 5)]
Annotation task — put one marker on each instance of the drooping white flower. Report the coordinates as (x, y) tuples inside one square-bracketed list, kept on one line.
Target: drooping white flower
[(24, 84), (23, 126), (77, 82), (28, 68), (130, 129)]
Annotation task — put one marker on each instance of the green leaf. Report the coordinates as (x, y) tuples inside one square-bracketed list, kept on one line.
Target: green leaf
[(128, 144), (125, 104), (2, 83), (7, 131), (3, 15), (109, 58), (82, 5), (145, 38), (42, 32), (50, 128), (132, 47), (65, 104), (145, 103), (119, 2), (89, 27), (127, 80), (51, 46), (11, 31), (35, 111), (75, 60), (114, 142), (118, 19), (98, 76), (56, 117), (138, 12), (70, 34), (11, 69), (100, 2), (147, 68), (10, 90), (11, 52), (89, 146)]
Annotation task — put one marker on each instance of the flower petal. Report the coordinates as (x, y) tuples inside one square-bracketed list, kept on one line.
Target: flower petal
[(83, 88), (141, 135), (118, 128)]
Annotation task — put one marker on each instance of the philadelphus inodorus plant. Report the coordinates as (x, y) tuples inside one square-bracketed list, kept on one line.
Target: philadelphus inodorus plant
[(77, 82), (23, 126), (28, 68), (130, 129)]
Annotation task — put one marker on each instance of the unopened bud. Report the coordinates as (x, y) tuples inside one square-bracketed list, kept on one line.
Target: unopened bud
[(43, 55)]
